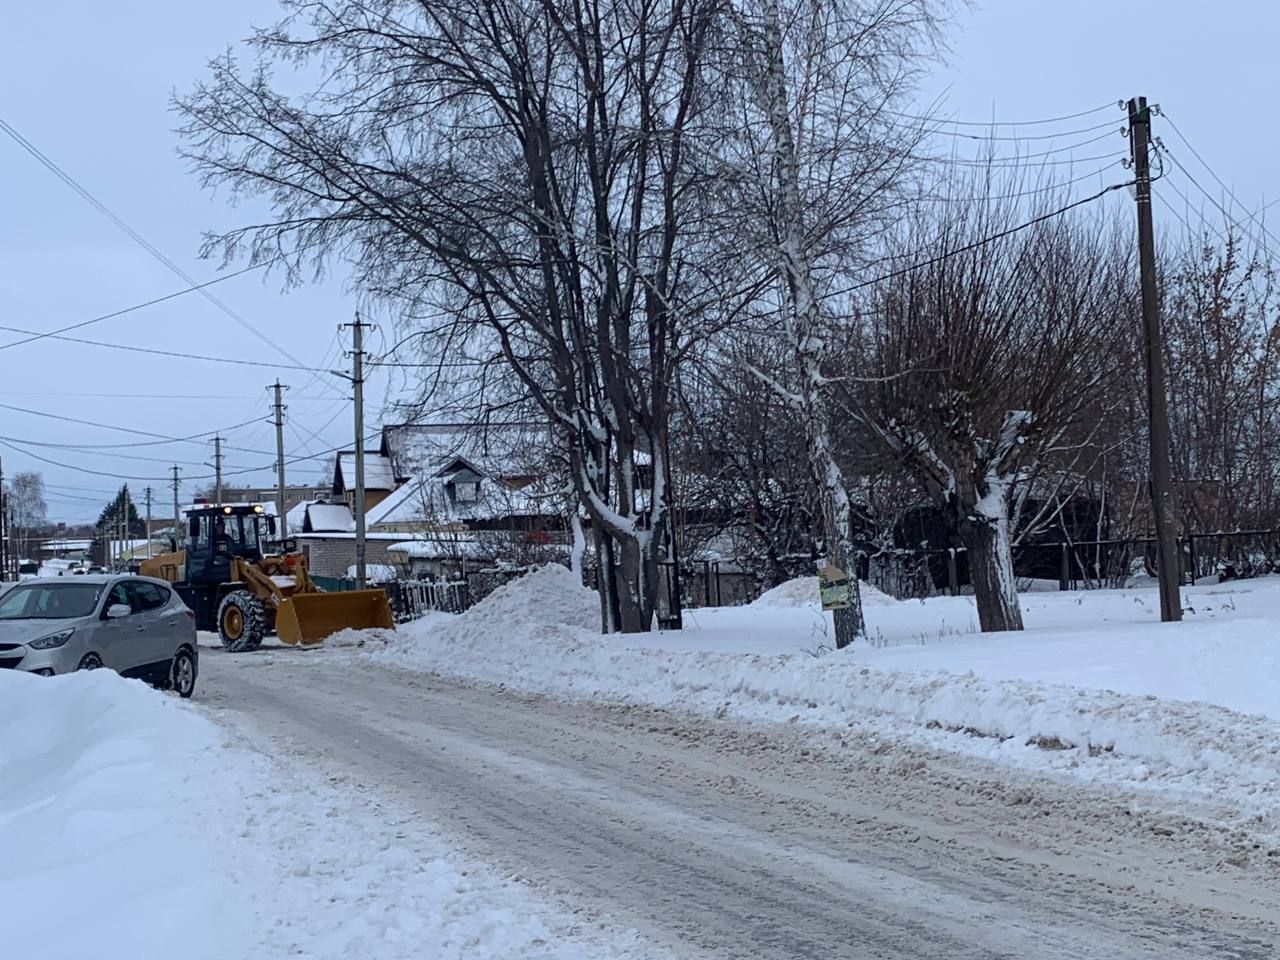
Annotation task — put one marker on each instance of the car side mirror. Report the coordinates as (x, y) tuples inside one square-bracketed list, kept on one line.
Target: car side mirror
[(271, 526), (118, 610)]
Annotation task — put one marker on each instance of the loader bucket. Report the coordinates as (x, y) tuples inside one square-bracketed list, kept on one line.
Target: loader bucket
[(308, 618)]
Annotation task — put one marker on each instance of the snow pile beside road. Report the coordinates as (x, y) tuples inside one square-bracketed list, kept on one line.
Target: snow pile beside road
[(102, 852), (539, 636), (131, 828), (803, 592)]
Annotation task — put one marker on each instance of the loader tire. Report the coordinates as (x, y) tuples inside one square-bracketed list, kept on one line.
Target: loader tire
[(242, 621)]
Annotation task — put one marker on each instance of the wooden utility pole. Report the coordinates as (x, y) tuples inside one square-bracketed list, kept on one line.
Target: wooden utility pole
[(279, 422), (4, 529), (1157, 403), (177, 515), (148, 523), (357, 381)]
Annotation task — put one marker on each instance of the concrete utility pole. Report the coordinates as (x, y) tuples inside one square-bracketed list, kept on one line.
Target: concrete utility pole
[(279, 421), (177, 515), (217, 471), (148, 523), (357, 381), (1157, 403)]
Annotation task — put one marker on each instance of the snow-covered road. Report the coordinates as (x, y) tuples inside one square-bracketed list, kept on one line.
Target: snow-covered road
[(719, 840)]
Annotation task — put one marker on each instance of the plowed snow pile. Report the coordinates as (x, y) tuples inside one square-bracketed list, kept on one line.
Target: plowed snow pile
[(540, 634), (803, 592)]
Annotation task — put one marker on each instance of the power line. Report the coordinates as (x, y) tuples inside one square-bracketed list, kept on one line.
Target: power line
[(1047, 188), (109, 426), (71, 182), (1005, 162), (161, 353), (978, 243), (1010, 123), (1021, 137), (1221, 209), (35, 335), (72, 448), (1227, 190)]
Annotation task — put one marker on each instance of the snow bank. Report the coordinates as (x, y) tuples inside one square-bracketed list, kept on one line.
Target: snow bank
[(539, 635), (803, 592), (101, 836), (132, 828)]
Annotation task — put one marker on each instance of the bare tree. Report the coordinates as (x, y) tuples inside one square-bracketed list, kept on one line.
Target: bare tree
[(996, 371), (824, 165), (530, 172), (29, 511), (1224, 381)]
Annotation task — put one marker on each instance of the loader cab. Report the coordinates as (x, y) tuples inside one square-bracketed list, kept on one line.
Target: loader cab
[(215, 535)]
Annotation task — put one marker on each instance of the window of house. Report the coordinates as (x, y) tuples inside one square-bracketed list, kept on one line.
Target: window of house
[(466, 492)]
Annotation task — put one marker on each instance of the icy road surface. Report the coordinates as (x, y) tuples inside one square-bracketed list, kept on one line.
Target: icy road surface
[(722, 841)]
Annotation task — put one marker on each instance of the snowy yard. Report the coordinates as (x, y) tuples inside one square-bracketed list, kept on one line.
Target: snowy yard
[(1095, 690), (133, 828)]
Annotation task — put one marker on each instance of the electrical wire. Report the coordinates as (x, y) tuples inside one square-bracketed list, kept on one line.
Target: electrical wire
[(977, 243), (1047, 188), (1008, 123), (1213, 200), (1015, 162), (1227, 190), (108, 426), (1022, 137), (97, 204), (271, 365), (34, 335)]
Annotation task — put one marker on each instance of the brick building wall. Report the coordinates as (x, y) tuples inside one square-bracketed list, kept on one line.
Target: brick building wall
[(331, 557)]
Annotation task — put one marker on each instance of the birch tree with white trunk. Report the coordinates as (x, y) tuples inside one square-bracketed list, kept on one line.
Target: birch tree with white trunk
[(824, 166)]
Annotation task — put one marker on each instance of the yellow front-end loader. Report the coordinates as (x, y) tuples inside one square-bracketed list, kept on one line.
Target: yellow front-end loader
[(243, 594)]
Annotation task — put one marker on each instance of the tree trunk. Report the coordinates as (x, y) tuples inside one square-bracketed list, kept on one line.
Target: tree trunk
[(991, 570), (805, 326), (628, 587)]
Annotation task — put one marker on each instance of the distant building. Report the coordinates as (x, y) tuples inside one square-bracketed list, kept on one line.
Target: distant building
[(293, 494)]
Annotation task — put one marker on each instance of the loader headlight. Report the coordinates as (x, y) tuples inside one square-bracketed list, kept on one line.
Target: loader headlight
[(51, 641)]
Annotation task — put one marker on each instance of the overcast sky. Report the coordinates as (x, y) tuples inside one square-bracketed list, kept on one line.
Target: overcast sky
[(89, 84)]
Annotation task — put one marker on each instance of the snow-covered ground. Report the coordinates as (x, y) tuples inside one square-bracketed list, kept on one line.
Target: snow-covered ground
[(132, 827), (1096, 689)]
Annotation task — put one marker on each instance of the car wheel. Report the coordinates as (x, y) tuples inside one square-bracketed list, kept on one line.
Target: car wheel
[(90, 661), (182, 675), (242, 621)]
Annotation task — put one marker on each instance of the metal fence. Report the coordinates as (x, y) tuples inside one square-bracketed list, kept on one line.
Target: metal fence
[(899, 572)]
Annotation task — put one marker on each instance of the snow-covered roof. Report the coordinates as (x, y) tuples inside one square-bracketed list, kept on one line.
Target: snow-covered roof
[(496, 451), (428, 501), (378, 473), (441, 548), (329, 518), (68, 544), (297, 516), (376, 572), (404, 505)]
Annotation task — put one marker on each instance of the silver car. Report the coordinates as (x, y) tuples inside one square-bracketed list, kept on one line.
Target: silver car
[(136, 626)]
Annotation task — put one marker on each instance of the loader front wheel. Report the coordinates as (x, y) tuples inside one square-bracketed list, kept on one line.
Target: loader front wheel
[(242, 621)]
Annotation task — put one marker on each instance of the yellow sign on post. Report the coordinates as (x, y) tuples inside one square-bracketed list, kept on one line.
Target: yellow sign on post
[(834, 587)]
